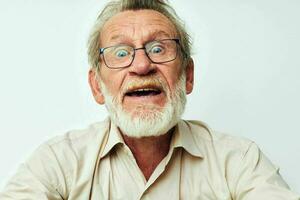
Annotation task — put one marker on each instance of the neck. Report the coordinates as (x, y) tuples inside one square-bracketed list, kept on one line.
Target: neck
[(149, 151)]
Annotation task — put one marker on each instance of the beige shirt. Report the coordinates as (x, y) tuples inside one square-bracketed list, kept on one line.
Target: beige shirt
[(96, 164)]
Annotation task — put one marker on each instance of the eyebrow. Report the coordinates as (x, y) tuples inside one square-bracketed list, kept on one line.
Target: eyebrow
[(152, 35), (116, 37), (160, 33)]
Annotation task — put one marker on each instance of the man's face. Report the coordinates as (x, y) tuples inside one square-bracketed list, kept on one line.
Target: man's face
[(136, 28)]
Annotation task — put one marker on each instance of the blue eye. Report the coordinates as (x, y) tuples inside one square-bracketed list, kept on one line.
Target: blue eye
[(122, 53), (156, 50)]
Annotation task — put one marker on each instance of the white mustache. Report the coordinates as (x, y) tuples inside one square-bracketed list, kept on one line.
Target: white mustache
[(140, 83)]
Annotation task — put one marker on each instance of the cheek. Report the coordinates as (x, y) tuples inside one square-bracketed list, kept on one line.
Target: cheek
[(172, 76), (112, 80)]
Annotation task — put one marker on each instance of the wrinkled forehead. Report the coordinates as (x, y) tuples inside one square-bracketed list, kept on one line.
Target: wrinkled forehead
[(139, 25)]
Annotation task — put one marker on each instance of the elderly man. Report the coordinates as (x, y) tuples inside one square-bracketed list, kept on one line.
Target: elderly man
[(141, 69)]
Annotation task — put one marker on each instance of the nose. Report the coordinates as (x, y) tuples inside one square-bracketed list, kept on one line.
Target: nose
[(141, 64)]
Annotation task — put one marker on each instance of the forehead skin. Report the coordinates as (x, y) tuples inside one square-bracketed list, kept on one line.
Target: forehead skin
[(136, 27)]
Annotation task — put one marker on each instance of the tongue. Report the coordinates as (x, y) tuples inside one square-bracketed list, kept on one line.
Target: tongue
[(143, 93)]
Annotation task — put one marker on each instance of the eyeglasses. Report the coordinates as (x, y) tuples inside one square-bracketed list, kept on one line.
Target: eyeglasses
[(158, 51)]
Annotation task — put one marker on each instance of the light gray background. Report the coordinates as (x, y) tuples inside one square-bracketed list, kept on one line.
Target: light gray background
[(246, 83)]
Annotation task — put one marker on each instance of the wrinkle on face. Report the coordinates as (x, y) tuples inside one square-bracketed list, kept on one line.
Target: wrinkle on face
[(152, 24), (136, 28)]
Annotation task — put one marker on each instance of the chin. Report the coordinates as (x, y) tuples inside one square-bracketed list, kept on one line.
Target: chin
[(148, 120), (145, 112)]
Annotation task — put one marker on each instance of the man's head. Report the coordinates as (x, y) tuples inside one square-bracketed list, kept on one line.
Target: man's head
[(117, 6), (143, 70)]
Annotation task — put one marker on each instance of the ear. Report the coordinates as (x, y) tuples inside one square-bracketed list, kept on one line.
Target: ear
[(94, 84), (189, 76)]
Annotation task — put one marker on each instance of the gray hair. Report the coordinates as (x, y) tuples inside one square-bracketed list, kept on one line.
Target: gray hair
[(117, 6)]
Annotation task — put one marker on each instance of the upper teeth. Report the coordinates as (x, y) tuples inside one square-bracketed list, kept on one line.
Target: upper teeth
[(145, 89)]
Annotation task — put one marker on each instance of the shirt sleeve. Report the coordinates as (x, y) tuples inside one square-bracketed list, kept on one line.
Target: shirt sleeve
[(39, 178), (258, 179)]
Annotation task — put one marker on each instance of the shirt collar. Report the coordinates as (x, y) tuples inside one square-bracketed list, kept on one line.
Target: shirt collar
[(114, 138), (184, 137)]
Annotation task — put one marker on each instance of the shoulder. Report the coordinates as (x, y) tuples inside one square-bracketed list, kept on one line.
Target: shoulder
[(222, 143), (80, 137), (202, 131), (76, 143), (56, 161)]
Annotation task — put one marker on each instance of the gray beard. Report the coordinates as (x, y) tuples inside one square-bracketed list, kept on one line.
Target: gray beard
[(148, 120)]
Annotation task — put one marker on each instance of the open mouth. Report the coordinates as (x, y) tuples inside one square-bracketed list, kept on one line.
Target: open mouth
[(143, 92)]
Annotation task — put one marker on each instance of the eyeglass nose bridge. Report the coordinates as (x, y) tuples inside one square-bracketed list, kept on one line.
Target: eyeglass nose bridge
[(144, 48)]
